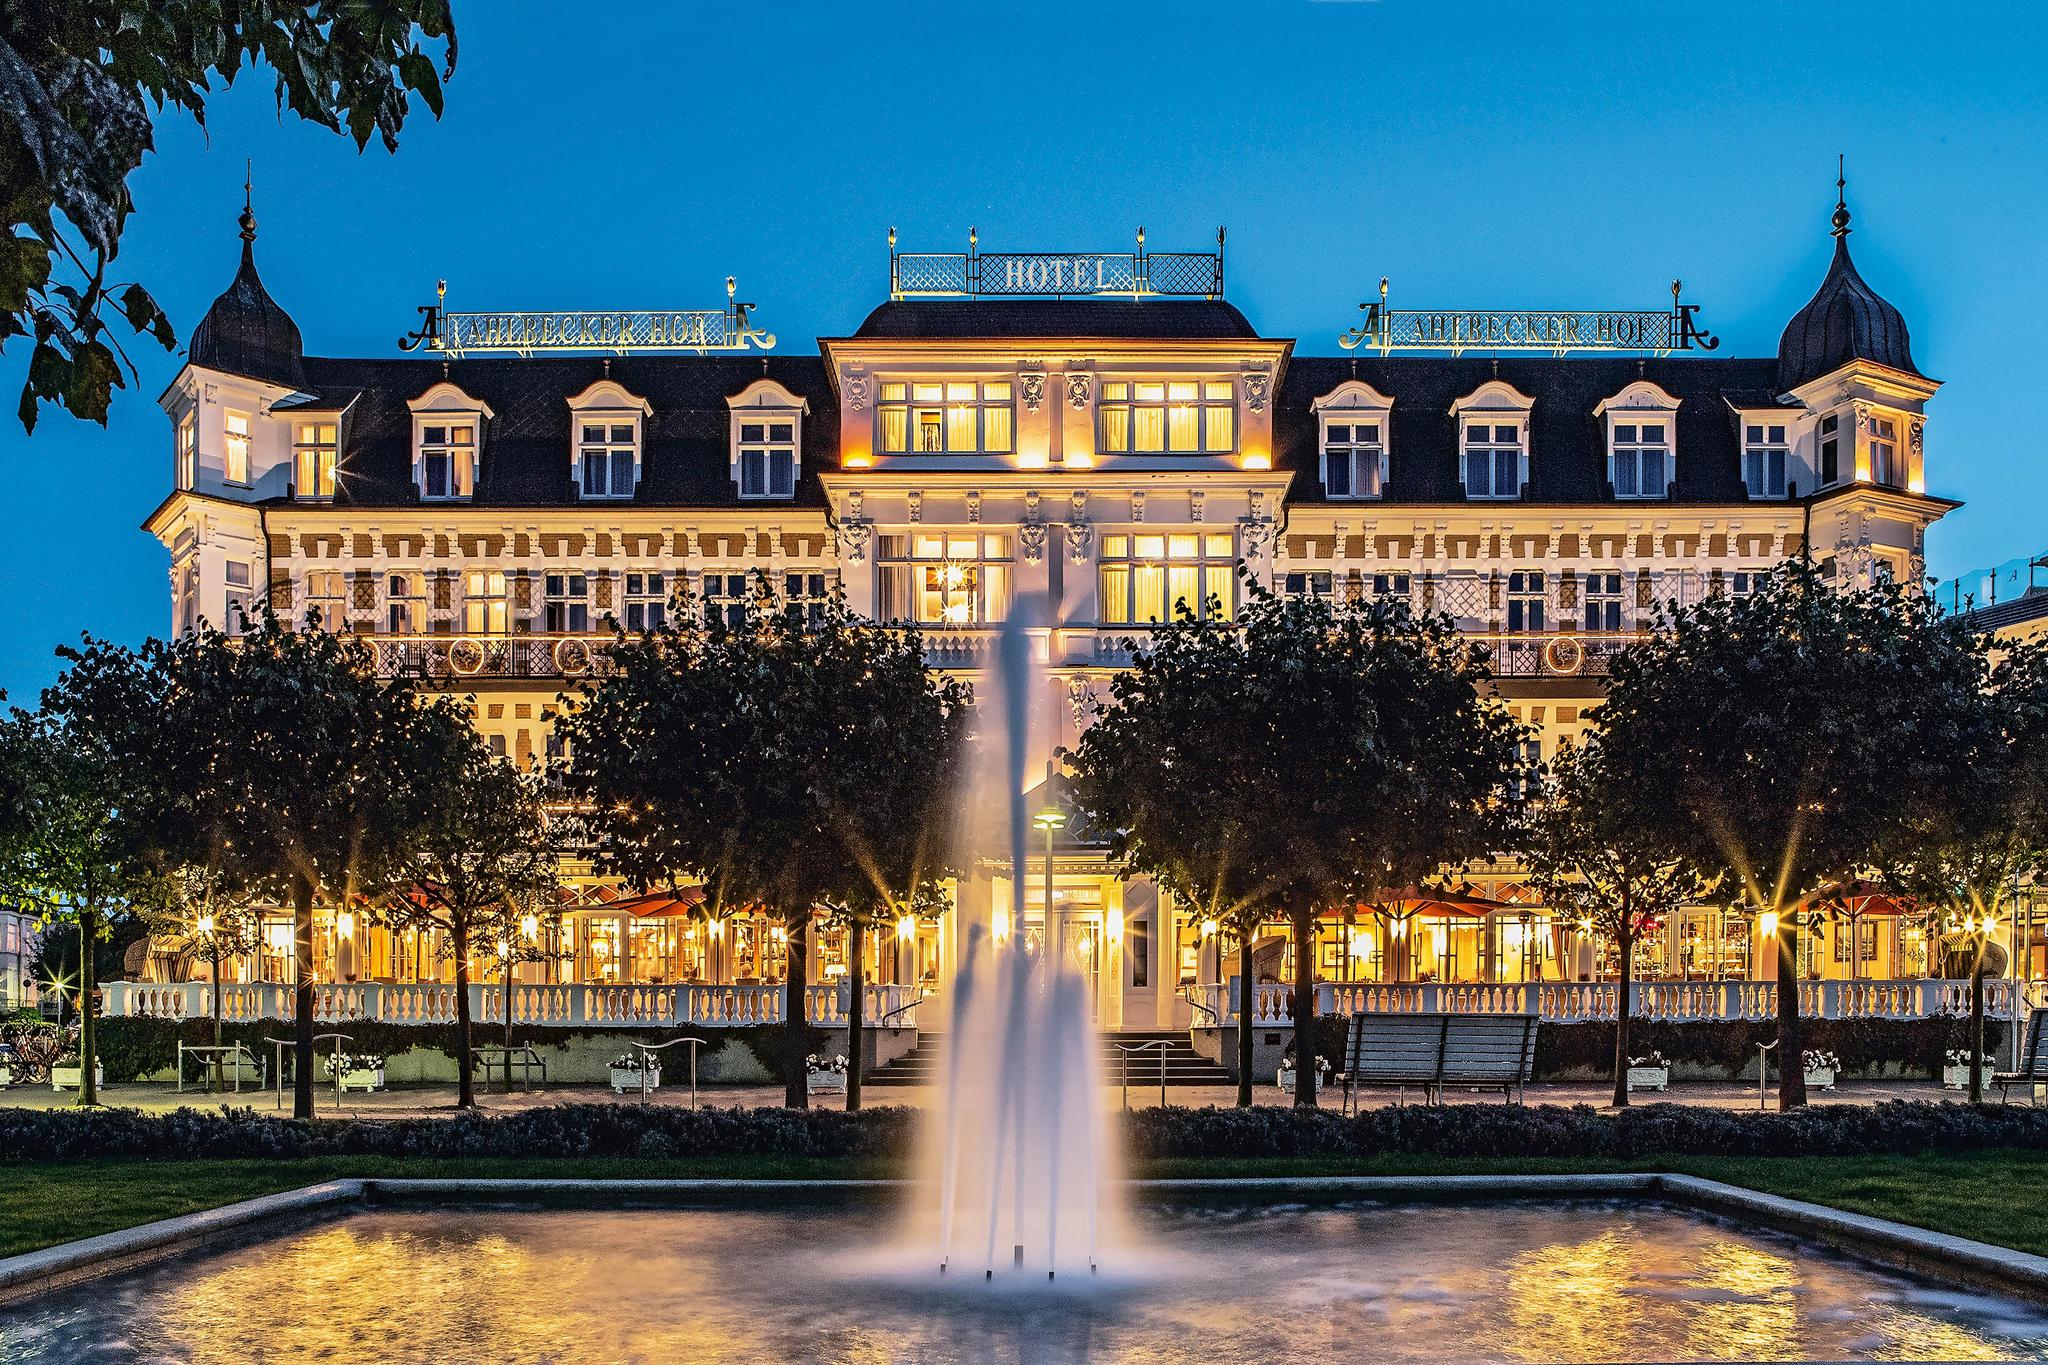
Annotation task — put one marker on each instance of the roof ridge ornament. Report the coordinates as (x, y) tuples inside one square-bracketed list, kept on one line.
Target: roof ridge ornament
[(248, 218), (1548, 331), (1841, 218)]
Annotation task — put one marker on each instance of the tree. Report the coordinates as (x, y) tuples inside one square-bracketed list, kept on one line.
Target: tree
[(483, 874), (1593, 858), (68, 848), (1787, 735), (80, 84), (787, 761), (199, 910), (281, 756), (1980, 829), (1305, 755)]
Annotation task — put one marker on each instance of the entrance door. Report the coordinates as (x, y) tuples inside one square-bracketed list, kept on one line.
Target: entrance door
[(1081, 949)]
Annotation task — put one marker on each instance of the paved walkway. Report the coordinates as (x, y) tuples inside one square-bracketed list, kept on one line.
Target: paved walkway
[(439, 1100)]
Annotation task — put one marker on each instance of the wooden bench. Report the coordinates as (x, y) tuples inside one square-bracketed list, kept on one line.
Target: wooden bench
[(1435, 1051), (2032, 1070)]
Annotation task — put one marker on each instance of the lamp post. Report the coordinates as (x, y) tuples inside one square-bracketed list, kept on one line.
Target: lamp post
[(1051, 819)]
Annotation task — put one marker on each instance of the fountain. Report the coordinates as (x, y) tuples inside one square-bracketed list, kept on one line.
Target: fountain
[(1018, 1144)]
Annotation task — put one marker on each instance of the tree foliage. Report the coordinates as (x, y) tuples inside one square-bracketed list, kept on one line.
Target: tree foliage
[(1305, 756), (786, 761), (81, 84)]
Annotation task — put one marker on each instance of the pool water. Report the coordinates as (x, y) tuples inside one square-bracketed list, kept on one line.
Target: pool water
[(1523, 1282)]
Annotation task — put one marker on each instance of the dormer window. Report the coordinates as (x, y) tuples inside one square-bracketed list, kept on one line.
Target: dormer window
[(314, 454), (447, 460), (1176, 416), (606, 426), (1642, 421), (1493, 440), (1764, 455), (447, 443), (767, 439), (1354, 420)]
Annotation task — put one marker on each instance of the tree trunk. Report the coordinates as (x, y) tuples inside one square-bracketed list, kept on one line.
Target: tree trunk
[(465, 1083), (796, 1085), (1977, 1023), (1307, 1057), (508, 1016), (1624, 1014), (1247, 996), (302, 995), (88, 1042), (1791, 1064), (218, 1079), (856, 1007)]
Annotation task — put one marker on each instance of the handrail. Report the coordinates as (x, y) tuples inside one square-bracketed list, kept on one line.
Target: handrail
[(278, 1045), (1163, 1044), (647, 1051), (911, 1004), (1215, 1019), (528, 1060), (236, 1051)]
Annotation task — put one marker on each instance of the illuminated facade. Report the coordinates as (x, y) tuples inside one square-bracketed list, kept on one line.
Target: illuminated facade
[(1102, 432)]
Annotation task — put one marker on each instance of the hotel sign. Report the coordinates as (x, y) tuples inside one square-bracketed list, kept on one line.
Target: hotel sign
[(701, 331), (1552, 332), (975, 273)]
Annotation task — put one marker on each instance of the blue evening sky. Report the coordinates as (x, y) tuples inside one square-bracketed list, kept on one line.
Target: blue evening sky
[(1516, 154)]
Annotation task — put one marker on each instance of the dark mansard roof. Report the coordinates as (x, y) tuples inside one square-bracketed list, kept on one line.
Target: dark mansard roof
[(1845, 320), (1046, 319), (245, 332)]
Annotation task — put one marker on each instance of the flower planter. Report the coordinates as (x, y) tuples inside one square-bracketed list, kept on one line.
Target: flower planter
[(363, 1079), (1285, 1079), (1958, 1077), (625, 1078), (71, 1077), (1821, 1077), (1656, 1078), (827, 1082), (6, 1076)]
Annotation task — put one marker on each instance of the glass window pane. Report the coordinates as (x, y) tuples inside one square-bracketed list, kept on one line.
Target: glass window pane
[(1116, 392), (960, 428), (1220, 433), (995, 428), (1149, 547), (996, 392), (1116, 429), (895, 390), (1181, 429), (1181, 393), (1151, 393), (1217, 390), (1116, 547), (1183, 589), (1116, 590), (1151, 435), (996, 546), (895, 429), (1216, 583), (1181, 546), (1148, 586), (1338, 435), (927, 392), (1218, 546)]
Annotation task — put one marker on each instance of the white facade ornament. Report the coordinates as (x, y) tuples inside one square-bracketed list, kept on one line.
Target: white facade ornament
[(1255, 387), (1032, 384), (1915, 434), (1138, 505), (974, 506), (1081, 696), (1195, 504), (916, 506), (853, 539), (1255, 533), (1080, 539), (1079, 384), (857, 392), (1031, 539)]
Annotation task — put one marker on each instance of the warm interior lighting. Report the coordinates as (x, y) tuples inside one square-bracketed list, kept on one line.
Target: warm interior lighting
[(906, 929), (205, 926), (345, 924), (504, 948), (529, 928), (717, 928), (1257, 460), (280, 936), (1208, 928), (859, 461), (1768, 922), (1000, 926), (1113, 927)]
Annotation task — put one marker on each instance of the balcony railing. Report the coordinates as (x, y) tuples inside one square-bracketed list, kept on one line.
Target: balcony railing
[(1570, 1002), (569, 1006)]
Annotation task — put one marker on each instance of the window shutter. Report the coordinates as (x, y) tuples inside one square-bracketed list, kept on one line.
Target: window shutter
[(1643, 590), (1568, 590), (522, 592), (602, 591), (364, 590), (444, 591)]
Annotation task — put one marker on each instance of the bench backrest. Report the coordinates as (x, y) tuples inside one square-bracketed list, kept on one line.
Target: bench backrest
[(1456, 1048)]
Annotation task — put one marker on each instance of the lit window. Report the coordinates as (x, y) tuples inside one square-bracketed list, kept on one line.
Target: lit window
[(241, 596), (957, 417), (767, 454), (646, 601), (404, 604), (941, 578), (483, 601), (606, 457), (1148, 579), (1642, 459), (447, 460), (1830, 449), (1493, 459), (1181, 417), (235, 448), (1309, 584), (327, 599), (1603, 601), (313, 459), (566, 610), (1525, 601), (188, 451), (1354, 460), (1884, 451), (725, 598), (1764, 451)]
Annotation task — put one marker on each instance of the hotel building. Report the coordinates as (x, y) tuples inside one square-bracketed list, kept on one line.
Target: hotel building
[(1106, 431)]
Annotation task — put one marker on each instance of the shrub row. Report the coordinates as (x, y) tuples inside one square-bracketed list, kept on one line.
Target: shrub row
[(619, 1130)]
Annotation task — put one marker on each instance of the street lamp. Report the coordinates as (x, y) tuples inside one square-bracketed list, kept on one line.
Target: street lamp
[(1051, 819)]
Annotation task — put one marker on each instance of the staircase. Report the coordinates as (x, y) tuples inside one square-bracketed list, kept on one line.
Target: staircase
[(1184, 1066)]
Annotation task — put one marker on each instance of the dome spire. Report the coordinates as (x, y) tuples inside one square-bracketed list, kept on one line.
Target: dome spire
[(1841, 204), (1845, 320), (248, 218), (245, 332)]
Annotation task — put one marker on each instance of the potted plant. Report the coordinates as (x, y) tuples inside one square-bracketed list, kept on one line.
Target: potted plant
[(826, 1078), (362, 1071), (1649, 1073), (634, 1068), (1285, 1080), (68, 1072), (1821, 1067), (1955, 1068)]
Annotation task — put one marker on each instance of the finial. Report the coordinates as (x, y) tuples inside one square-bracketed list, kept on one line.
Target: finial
[(729, 288), (440, 291), (973, 238), (1383, 290), (1676, 285), (248, 219), (1141, 236), (1841, 203), (892, 237)]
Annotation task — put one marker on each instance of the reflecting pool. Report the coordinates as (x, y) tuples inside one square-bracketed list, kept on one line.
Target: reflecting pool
[(1524, 1282)]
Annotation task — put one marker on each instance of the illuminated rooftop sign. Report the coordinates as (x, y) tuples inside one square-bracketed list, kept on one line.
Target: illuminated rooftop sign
[(701, 331), (975, 273), (1552, 332)]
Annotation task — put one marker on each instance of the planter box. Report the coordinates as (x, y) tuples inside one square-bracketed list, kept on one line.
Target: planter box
[(1285, 1079), (1821, 1077), (1656, 1078), (1958, 1077), (6, 1076), (365, 1081), (71, 1077), (625, 1078), (827, 1082)]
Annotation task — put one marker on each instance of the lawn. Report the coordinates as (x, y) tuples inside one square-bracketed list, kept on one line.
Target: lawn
[(1993, 1196)]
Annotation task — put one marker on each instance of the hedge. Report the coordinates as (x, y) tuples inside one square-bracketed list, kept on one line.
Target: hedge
[(626, 1130)]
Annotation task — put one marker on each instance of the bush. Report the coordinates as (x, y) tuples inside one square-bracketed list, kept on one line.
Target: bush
[(622, 1130)]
